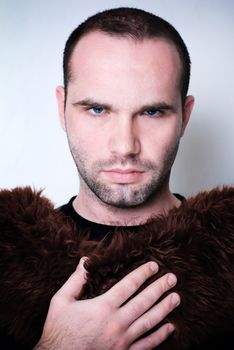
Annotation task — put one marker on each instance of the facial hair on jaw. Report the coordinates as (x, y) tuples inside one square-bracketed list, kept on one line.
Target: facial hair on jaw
[(124, 195)]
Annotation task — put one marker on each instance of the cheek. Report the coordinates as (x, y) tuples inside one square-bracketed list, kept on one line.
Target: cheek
[(160, 141), (86, 142), (85, 146)]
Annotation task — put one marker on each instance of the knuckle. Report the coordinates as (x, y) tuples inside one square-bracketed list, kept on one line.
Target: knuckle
[(145, 271), (147, 300), (104, 309), (148, 344), (161, 286), (138, 277), (148, 324), (151, 268), (133, 310), (170, 302), (112, 331), (121, 343), (165, 307), (164, 332), (134, 283), (160, 336), (57, 302)]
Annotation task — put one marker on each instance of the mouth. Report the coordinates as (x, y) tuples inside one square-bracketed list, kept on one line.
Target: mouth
[(123, 176)]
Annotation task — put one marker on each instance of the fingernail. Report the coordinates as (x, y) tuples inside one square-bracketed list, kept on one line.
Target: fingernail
[(82, 261), (175, 299), (170, 328), (154, 266), (171, 280), (81, 267)]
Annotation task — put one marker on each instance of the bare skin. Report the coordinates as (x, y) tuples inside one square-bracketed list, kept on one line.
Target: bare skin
[(104, 322), (124, 117)]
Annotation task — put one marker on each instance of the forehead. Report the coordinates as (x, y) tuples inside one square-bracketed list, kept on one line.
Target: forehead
[(100, 50)]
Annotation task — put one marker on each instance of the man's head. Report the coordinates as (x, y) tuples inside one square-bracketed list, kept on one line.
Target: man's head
[(122, 108), (135, 24)]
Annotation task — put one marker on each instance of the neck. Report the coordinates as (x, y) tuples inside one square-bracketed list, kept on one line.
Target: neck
[(93, 209)]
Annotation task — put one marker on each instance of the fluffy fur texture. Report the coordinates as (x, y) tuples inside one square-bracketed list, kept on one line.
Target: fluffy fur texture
[(39, 249)]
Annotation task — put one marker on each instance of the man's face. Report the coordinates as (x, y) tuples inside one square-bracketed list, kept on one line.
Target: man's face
[(123, 116)]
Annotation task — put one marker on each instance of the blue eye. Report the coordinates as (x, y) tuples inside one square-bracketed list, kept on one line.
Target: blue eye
[(97, 110), (153, 112)]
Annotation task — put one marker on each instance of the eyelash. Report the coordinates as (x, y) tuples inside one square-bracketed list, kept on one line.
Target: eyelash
[(91, 109), (156, 112), (153, 112)]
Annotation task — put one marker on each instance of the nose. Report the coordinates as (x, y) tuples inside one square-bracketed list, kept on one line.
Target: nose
[(124, 139)]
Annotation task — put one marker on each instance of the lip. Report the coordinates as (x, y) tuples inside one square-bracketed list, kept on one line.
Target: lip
[(123, 176), (124, 171)]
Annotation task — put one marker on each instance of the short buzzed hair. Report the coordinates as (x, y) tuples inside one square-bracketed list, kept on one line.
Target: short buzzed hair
[(136, 24)]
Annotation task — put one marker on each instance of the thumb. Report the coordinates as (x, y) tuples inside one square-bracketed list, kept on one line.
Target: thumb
[(73, 286)]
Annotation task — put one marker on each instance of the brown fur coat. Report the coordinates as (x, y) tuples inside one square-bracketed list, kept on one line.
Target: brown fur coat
[(39, 249)]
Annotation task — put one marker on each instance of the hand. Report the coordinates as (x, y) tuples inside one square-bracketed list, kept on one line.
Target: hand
[(108, 322)]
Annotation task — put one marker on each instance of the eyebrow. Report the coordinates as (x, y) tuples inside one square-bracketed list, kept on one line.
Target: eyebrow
[(88, 102), (159, 105)]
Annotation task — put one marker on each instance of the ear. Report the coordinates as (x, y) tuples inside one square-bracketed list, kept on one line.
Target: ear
[(60, 95), (187, 110)]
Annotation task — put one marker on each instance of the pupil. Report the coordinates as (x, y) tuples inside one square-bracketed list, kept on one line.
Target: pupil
[(97, 109)]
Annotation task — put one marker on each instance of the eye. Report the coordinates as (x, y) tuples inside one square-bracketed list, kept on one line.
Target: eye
[(97, 110), (153, 112)]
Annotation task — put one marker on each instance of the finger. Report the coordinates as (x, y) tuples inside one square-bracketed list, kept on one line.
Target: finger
[(74, 285), (138, 305), (155, 339), (154, 316), (125, 288)]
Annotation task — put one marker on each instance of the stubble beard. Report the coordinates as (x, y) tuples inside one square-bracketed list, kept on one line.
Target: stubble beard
[(124, 195)]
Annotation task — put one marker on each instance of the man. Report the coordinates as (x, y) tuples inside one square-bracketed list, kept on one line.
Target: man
[(124, 107)]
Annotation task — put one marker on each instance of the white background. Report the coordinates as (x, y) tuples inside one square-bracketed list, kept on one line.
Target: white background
[(33, 148)]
